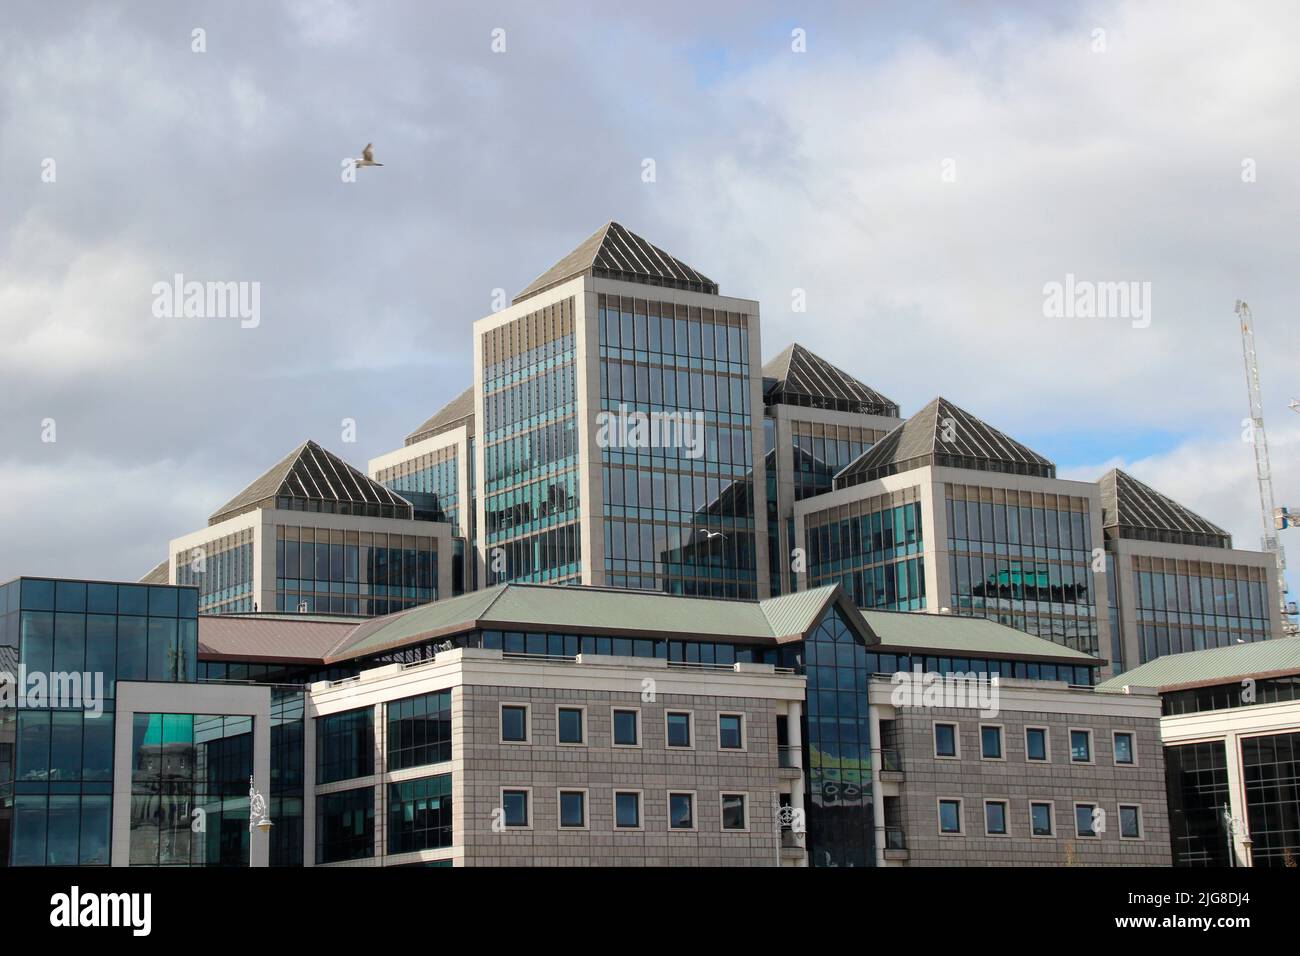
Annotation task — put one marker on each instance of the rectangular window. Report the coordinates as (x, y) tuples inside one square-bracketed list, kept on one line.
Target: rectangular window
[(681, 811), (345, 745), (1036, 743), (627, 730), (1040, 819), (1084, 814), (990, 743), (627, 810), (995, 817), (1125, 751), (419, 814), (733, 812), (950, 816), (679, 729), (569, 721), (573, 809), (945, 740), (1130, 821), (419, 730), (514, 804), (731, 731), (1081, 746), (345, 825), (514, 723)]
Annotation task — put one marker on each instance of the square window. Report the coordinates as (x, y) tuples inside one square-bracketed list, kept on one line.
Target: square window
[(514, 723), (1086, 819), (573, 809), (731, 731), (1036, 743), (515, 805), (945, 740), (733, 811), (1125, 753), (1040, 819), (1130, 821), (995, 817), (627, 811), (679, 729), (991, 743), (626, 730), (569, 725), (1081, 746), (950, 816), (681, 811)]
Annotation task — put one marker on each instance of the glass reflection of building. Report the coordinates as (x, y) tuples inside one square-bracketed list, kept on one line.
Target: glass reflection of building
[(56, 777), (678, 519)]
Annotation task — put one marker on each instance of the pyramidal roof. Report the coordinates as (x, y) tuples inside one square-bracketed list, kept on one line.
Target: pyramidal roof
[(800, 377), (613, 252), (943, 434), (309, 472), (1131, 509), (456, 412)]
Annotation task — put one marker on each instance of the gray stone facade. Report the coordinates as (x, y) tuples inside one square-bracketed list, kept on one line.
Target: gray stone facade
[(927, 778)]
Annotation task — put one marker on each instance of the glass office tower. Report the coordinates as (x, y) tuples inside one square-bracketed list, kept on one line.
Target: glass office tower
[(56, 750)]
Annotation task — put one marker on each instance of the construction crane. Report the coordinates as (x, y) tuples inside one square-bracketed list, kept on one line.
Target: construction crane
[(1274, 518)]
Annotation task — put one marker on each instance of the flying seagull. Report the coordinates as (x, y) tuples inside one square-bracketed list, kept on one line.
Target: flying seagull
[(367, 157)]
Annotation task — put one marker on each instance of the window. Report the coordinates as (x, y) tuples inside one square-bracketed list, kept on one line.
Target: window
[(514, 803), (1036, 743), (733, 812), (990, 743), (945, 740), (1125, 750), (573, 809), (679, 729), (419, 814), (345, 825), (1130, 821), (731, 731), (627, 810), (1081, 746), (419, 730), (995, 817), (1040, 819), (950, 816), (681, 811), (345, 745), (627, 728), (514, 723), (1088, 817), (569, 725)]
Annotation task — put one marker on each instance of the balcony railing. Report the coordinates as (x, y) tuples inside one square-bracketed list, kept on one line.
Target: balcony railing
[(891, 761)]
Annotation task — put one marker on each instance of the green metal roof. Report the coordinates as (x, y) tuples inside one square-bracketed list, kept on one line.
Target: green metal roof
[(540, 607), (1218, 665), (968, 636)]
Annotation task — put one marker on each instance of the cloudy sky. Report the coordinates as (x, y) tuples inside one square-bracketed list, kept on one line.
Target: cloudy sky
[(920, 173)]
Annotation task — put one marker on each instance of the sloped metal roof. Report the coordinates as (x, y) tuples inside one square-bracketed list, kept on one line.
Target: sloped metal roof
[(1218, 665), (944, 434), (967, 636), (310, 472), (800, 377), (614, 252), (158, 574), (284, 638), (1128, 506), (459, 411)]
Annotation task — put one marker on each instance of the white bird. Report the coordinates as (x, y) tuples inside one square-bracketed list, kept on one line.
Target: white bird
[(367, 157)]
